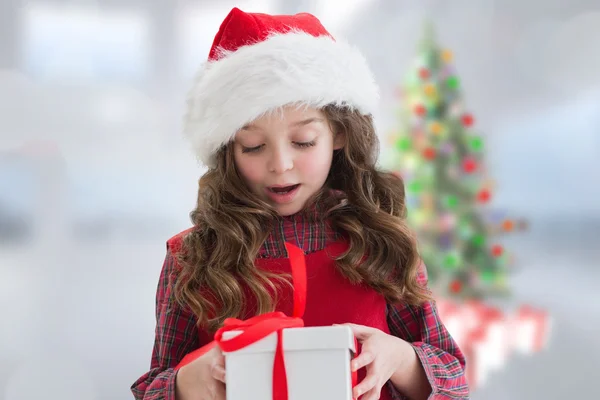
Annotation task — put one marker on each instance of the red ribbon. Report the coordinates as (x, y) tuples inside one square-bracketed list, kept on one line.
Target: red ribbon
[(256, 328)]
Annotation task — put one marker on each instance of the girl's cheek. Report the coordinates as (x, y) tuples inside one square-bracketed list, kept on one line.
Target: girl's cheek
[(316, 163), (251, 170)]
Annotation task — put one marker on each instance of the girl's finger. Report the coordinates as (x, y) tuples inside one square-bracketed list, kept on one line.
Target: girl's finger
[(363, 359), (220, 393), (372, 394), (361, 332), (365, 385), (218, 372)]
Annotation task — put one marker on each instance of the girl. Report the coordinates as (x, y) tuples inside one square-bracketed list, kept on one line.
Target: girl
[(281, 116)]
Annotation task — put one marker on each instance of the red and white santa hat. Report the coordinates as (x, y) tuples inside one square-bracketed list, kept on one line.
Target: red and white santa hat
[(260, 62)]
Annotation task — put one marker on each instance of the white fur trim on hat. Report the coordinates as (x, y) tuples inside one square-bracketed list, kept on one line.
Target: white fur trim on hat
[(283, 69)]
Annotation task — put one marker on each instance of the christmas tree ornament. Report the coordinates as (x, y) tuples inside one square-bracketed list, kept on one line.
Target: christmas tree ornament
[(456, 286), (497, 250), (403, 144), (467, 120), (476, 143), (415, 187), (508, 225), (424, 73), (448, 148), (479, 240), (436, 128), (447, 56), (445, 241), (488, 276), (523, 225), (420, 110), (469, 165), (429, 153), (451, 261), (429, 90), (452, 82), (484, 196), (450, 201), (447, 222)]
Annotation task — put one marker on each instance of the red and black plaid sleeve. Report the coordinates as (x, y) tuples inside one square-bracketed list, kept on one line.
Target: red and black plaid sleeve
[(176, 335), (442, 360)]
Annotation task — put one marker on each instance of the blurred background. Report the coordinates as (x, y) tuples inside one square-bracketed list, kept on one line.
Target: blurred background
[(95, 175)]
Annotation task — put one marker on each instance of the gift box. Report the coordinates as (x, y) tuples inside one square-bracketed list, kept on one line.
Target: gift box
[(316, 359), (531, 330), (453, 319), (488, 336), (482, 334), (497, 337), (478, 367)]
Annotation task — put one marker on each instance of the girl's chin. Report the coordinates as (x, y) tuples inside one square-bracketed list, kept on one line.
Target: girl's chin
[(285, 210)]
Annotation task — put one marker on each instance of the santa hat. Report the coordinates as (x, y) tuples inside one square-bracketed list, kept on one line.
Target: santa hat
[(260, 62)]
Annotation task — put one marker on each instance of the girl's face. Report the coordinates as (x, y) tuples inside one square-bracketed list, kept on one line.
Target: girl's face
[(285, 157)]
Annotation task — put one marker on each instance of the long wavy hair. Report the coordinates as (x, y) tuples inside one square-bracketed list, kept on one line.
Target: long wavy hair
[(230, 225)]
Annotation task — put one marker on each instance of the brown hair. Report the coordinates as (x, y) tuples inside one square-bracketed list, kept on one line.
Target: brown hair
[(230, 229)]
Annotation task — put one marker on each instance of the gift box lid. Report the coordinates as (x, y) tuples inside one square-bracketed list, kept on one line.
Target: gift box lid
[(307, 338)]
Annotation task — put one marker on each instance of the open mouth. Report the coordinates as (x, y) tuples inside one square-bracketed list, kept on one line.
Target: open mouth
[(283, 189)]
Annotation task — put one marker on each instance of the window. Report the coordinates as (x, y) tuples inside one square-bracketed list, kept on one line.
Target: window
[(76, 42)]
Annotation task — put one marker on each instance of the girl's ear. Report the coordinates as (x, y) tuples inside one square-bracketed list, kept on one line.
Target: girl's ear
[(339, 140)]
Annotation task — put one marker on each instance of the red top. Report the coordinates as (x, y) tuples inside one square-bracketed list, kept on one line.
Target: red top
[(330, 299)]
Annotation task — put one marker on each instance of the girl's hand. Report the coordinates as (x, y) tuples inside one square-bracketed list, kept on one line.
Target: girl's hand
[(203, 378), (383, 355)]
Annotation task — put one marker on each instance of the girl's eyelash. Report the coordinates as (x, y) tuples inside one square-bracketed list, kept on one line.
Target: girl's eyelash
[(257, 148), (305, 144), (251, 149)]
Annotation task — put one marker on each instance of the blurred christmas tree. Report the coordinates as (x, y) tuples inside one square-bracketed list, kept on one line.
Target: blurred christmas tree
[(439, 154)]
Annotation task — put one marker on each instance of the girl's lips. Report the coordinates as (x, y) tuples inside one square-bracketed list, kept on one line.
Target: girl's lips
[(282, 194), (282, 188)]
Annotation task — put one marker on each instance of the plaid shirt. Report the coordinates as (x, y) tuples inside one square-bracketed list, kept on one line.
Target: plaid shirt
[(177, 333)]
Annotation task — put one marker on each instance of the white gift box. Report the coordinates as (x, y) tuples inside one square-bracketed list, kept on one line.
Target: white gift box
[(499, 343), (531, 330), (497, 332), (478, 362), (482, 334), (488, 336), (317, 364)]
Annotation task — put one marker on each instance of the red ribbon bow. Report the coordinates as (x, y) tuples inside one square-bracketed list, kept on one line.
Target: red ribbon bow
[(256, 328)]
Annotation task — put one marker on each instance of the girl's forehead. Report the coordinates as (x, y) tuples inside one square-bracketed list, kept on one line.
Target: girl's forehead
[(289, 116)]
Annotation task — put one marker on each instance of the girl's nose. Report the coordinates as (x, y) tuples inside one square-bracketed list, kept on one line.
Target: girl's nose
[(280, 161)]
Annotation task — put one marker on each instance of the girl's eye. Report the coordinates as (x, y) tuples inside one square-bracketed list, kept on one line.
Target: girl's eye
[(251, 149), (258, 148), (305, 144)]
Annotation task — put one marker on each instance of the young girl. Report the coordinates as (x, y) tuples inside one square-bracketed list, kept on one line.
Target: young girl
[(281, 116)]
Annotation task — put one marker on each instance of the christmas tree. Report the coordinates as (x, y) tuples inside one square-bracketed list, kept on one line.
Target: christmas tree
[(439, 153)]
